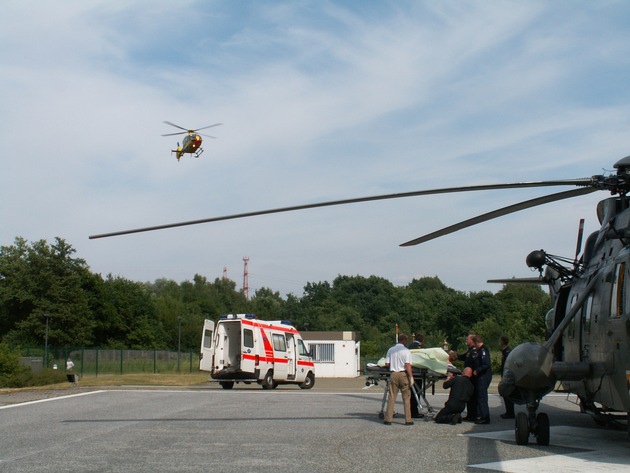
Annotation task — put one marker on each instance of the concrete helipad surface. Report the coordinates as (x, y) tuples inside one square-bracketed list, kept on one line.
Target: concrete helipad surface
[(334, 427)]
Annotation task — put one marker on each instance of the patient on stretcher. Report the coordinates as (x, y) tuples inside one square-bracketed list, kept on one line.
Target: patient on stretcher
[(433, 359)]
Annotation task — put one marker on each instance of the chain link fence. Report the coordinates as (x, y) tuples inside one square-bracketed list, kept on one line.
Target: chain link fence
[(96, 361)]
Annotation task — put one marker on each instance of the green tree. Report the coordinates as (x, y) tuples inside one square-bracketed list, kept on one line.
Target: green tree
[(41, 281)]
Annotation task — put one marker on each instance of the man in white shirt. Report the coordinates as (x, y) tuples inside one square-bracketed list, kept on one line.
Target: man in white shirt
[(398, 361)]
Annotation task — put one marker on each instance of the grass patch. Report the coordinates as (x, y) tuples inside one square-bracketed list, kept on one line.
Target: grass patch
[(138, 379), (145, 379)]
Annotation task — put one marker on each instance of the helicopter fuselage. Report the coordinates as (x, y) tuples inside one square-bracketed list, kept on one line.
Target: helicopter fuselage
[(588, 348), (598, 336), (191, 144)]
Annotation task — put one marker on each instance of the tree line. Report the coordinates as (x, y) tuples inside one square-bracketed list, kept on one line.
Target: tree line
[(44, 284)]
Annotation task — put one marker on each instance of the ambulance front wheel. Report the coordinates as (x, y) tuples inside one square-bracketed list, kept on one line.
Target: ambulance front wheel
[(309, 381)]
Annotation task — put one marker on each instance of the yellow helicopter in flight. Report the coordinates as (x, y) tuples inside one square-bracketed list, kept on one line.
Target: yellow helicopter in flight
[(191, 144)]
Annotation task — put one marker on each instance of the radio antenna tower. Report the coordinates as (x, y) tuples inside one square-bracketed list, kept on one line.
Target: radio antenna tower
[(245, 278)]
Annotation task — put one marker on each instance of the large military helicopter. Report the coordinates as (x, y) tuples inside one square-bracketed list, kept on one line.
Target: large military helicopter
[(588, 348), (191, 143)]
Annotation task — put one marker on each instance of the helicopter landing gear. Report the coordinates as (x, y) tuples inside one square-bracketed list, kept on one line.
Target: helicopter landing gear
[(530, 423), (198, 152)]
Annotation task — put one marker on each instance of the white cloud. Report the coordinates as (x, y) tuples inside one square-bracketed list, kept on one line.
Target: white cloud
[(319, 101)]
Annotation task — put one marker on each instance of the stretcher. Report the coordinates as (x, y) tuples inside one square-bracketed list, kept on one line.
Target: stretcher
[(428, 365)]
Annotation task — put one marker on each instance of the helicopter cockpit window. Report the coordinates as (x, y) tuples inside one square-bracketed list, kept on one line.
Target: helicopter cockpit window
[(618, 291)]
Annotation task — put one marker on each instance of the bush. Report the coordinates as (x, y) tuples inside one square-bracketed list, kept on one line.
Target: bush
[(24, 377), (9, 360)]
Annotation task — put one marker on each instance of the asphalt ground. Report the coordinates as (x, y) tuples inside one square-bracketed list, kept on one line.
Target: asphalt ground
[(333, 427)]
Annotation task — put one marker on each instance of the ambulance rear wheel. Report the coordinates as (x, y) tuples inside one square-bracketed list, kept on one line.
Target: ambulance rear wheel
[(227, 384), (268, 382), (309, 381)]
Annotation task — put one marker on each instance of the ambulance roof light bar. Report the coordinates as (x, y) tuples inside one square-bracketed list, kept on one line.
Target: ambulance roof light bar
[(237, 316)]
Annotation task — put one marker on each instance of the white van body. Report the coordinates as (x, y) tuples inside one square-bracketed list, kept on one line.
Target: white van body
[(241, 348)]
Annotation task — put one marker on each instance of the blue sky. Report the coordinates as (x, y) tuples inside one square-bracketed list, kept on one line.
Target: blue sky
[(319, 101)]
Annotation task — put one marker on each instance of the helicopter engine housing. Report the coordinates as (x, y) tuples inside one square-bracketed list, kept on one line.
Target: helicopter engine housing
[(527, 375)]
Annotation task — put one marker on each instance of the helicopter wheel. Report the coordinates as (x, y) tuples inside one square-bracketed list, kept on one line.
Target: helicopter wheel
[(542, 429), (521, 427)]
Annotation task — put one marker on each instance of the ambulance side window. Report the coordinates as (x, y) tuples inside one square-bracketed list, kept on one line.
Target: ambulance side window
[(279, 343), (248, 338), (302, 348), (207, 339)]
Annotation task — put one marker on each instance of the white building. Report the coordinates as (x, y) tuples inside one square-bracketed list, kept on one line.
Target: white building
[(336, 354)]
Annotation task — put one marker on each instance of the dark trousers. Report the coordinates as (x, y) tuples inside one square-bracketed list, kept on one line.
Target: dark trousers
[(471, 405), (481, 390), (413, 402), (448, 411), (509, 407)]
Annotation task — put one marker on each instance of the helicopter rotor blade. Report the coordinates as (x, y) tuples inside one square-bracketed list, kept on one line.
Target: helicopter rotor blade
[(500, 213), (204, 127), (178, 133), (578, 246), (573, 182), (177, 126)]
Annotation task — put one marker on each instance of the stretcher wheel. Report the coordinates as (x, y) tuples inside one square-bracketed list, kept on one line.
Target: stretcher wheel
[(381, 415)]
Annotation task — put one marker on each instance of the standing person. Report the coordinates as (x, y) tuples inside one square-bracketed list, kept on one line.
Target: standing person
[(70, 372), (469, 362), (483, 372), (418, 342), (504, 343), (398, 361), (461, 389)]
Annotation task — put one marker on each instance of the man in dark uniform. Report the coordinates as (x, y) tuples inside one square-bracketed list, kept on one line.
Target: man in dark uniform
[(469, 362), (417, 343), (505, 351), (483, 372), (461, 389)]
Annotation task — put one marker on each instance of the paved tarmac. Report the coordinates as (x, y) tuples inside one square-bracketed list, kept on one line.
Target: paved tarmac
[(333, 427)]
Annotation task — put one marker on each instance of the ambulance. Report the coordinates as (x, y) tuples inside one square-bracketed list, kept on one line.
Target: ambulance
[(241, 348)]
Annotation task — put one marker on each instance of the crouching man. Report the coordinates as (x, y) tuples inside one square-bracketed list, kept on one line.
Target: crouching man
[(461, 390)]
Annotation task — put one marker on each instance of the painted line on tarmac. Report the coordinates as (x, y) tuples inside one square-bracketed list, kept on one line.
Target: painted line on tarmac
[(28, 403), (596, 451)]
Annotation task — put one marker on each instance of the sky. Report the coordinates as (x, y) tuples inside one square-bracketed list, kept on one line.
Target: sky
[(318, 100)]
